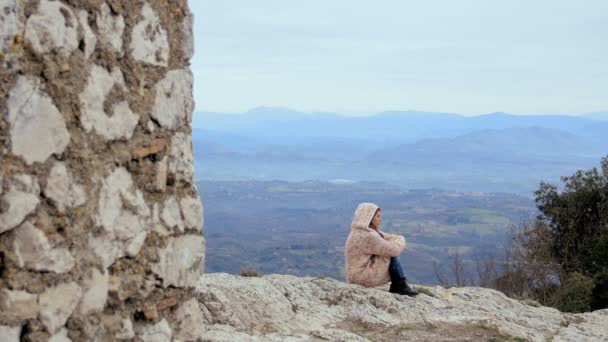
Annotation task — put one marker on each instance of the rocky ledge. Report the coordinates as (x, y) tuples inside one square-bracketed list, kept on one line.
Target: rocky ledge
[(288, 308)]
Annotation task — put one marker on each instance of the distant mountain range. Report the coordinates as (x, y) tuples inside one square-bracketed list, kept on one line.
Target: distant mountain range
[(492, 152)]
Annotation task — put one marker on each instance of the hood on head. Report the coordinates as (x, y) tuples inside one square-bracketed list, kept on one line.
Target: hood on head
[(363, 215)]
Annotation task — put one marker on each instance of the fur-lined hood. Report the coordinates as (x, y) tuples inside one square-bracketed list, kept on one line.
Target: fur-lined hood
[(363, 215)]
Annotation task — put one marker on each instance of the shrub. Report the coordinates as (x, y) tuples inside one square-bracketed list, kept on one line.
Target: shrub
[(249, 272), (575, 295)]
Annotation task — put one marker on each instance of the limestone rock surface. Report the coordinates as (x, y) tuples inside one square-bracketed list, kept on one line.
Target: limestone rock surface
[(174, 105), (17, 305), (110, 28), (34, 251), (21, 200), (57, 304), (10, 334), (281, 307), (53, 26), (181, 160), (62, 189), (159, 332), (149, 39)]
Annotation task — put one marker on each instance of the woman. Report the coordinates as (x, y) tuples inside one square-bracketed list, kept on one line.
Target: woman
[(372, 255)]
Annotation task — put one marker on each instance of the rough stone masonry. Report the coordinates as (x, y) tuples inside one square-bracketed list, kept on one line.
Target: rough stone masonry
[(100, 220)]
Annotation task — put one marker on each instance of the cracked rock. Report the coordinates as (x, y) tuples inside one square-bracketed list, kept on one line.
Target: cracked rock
[(110, 28), (52, 27), (123, 216), (61, 188), (172, 216), (192, 211), (33, 251), (159, 332), (90, 40), (10, 334), (118, 124), (181, 159), (21, 199), (190, 323), (57, 304), (149, 40), (95, 286), (61, 336), (182, 261), (174, 105), (17, 305), (33, 114)]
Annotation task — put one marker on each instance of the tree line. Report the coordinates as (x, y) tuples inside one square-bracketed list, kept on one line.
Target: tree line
[(559, 258)]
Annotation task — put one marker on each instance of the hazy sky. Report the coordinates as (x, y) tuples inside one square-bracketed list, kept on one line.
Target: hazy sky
[(355, 56)]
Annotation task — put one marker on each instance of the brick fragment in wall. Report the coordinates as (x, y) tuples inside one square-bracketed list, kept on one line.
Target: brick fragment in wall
[(21, 200), (182, 261), (34, 252), (111, 126), (90, 40), (62, 189), (57, 304), (159, 332), (123, 216), (11, 22), (149, 43), (53, 27), (10, 334), (174, 105), (181, 160), (110, 28), (189, 321), (33, 114), (17, 305), (95, 287)]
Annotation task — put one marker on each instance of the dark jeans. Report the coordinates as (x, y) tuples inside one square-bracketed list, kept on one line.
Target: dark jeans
[(395, 270)]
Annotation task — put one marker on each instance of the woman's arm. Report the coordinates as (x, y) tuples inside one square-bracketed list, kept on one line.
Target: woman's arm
[(376, 245)]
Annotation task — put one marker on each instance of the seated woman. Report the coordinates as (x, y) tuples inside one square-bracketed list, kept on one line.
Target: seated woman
[(372, 255)]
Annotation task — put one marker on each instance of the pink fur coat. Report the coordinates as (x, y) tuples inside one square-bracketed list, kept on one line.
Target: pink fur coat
[(367, 253)]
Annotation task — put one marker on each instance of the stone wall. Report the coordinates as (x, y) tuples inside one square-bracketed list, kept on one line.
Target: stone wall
[(100, 220)]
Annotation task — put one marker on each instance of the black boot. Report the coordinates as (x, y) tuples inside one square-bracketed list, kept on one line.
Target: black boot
[(401, 287)]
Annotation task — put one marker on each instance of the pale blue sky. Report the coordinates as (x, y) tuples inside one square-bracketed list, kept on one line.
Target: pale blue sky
[(358, 57)]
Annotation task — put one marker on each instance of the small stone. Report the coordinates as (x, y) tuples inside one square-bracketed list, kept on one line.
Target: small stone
[(149, 40), (124, 216), (151, 313), (192, 210), (52, 28), (181, 160), (160, 182), (189, 320), (57, 304), (174, 105), (110, 28), (120, 123), (17, 305), (33, 251), (95, 286), (90, 40), (10, 334), (172, 216), (125, 331), (61, 336), (33, 114), (61, 188), (182, 261), (160, 332)]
